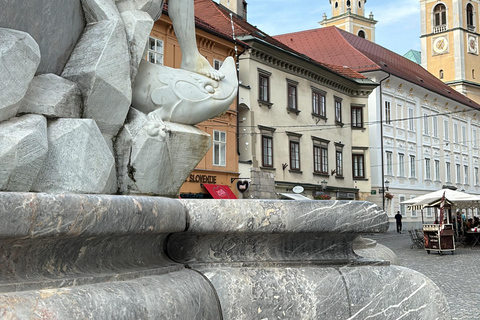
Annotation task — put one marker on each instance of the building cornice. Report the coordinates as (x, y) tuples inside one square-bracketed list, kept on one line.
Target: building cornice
[(307, 68)]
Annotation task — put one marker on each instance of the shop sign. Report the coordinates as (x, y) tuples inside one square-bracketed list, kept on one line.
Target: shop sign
[(243, 185), (202, 178)]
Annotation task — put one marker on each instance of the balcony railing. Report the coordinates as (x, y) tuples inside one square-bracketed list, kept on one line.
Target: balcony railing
[(439, 29)]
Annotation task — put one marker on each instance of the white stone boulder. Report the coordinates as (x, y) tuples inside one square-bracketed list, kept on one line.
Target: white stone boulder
[(23, 151), (98, 10), (53, 97), (152, 7), (19, 60), (100, 66), (79, 160), (138, 25), (155, 158)]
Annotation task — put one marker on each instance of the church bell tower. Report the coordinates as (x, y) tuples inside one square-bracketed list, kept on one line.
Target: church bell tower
[(449, 38), (349, 15)]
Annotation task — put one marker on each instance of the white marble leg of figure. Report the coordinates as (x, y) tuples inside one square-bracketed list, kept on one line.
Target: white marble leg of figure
[(183, 18)]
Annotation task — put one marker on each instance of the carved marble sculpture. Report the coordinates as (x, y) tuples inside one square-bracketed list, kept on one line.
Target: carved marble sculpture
[(181, 96)]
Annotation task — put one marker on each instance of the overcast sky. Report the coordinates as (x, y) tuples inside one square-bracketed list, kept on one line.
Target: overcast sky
[(398, 27)]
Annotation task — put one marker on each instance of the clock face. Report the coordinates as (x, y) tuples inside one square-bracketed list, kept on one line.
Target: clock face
[(472, 44), (440, 45)]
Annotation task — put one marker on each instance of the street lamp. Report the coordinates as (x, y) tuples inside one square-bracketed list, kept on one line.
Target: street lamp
[(324, 185), (387, 184)]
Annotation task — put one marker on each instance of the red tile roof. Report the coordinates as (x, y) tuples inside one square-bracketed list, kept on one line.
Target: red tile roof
[(335, 46), (218, 17)]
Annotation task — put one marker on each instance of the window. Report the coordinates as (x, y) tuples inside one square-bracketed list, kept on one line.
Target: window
[(155, 51), (388, 119), (428, 175), (219, 148), (318, 104), (401, 165), (464, 135), (445, 129), (436, 167), (455, 133), (292, 96), (267, 146), (411, 120), (402, 206), (458, 173), (264, 87), (294, 155), (440, 74), (389, 163), (412, 167), (348, 3), (414, 212), (429, 212), (470, 19), (217, 64), (357, 117), (361, 34), (320, 156), (465, 174), (439, 15), (339, 162), (435, 126), (338, 110), (474, 138), (447, 172), (425, 124), (358, 166), (267, 151), (475, 172), (400, 123)]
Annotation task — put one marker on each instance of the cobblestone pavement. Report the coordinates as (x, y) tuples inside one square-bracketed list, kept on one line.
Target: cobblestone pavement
[(457, 275)]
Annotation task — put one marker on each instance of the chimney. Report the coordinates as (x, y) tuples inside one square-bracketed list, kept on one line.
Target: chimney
[(239, 7)]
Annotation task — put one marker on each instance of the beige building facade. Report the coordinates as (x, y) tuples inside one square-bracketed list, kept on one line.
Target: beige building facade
[(449, 39)]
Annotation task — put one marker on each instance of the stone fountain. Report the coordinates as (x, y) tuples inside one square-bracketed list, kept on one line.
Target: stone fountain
[(94, 144)]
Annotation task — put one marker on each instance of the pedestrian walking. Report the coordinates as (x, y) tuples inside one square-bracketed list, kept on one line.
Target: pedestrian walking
[(398, 218)]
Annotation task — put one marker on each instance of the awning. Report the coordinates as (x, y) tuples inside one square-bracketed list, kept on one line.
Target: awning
[(219, 191), (294, 196)]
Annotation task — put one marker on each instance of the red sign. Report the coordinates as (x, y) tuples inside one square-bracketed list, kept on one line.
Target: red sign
[(220, 191)]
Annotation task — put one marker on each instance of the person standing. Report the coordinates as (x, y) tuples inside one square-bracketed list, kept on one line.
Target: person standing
[(398, 218)]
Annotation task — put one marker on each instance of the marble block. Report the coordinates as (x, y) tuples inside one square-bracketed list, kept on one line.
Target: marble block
[(149, 159), (78, 161), (53, 97), (55, 25), (99, 10), (23, 151), (100, 66), (138, 25), (152, 7), (19, 59)]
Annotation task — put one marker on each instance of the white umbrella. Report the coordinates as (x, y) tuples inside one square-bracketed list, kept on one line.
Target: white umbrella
[(460, 200)]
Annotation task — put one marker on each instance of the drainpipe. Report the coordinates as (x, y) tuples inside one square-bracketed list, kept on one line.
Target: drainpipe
[(381, 140)]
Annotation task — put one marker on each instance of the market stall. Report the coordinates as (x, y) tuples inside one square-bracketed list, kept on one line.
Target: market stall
[(440, 236)]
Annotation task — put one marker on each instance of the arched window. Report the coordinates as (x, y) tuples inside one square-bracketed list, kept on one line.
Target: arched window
[(439, 15), (440, 74), (470, 20), (473, 73), (348, 3), (336, 4), (361, 34), (359, 4)]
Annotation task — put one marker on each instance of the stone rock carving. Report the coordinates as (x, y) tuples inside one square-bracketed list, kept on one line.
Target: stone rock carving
[(99, 10), (19, 59), (53, 96), (55, 25), (79, 160), (181, 96), (148, 159), (152, 7), (100, 66), (23, 151), (138, 25)]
